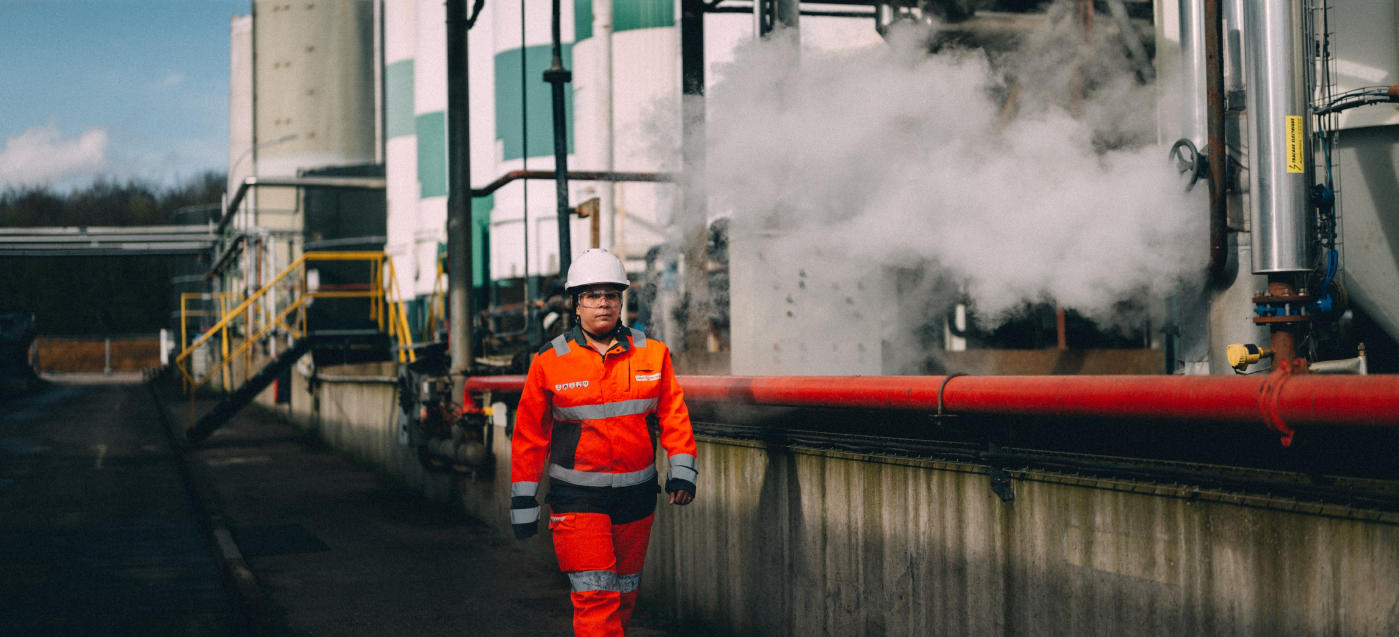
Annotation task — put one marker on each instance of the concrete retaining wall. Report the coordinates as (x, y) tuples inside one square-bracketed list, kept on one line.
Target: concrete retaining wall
[(810, 542), (803, 542)]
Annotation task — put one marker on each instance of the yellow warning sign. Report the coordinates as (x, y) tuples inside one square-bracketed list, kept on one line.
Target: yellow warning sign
[(1296, 137)]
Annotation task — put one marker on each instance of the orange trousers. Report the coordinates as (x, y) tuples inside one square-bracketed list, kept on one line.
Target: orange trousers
[(603, 562)]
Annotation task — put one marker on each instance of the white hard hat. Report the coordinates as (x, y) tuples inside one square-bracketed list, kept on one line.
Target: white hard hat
[(596, 266)]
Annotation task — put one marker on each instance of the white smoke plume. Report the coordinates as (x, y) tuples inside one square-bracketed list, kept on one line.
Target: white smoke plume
[(989, 177)]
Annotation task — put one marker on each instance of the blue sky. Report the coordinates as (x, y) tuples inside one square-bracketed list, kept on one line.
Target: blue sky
[(126, 89)]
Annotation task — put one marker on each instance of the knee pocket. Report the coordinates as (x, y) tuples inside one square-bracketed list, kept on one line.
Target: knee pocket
[(583, 541)]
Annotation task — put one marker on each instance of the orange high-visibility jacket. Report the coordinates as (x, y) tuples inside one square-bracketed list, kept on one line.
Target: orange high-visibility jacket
[(586, 414)]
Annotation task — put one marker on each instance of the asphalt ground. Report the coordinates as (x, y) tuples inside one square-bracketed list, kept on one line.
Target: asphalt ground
[(112, 525), (99, 532)]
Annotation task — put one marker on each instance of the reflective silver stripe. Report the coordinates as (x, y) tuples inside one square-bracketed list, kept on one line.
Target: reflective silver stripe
[(682, 466), (584, 581), (638, 337), (600, 478), (524, 516), (684, 473), (560, 345), (607, 410), (629, 583), (528, 489)]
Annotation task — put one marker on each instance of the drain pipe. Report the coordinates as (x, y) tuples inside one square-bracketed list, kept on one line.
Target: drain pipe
[(1214, 146)]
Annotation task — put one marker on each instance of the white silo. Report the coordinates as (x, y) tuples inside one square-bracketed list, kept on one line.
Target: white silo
[(313, 85), (240, 99), (400, 138), (626, 89), (523, 138), (430, 128)]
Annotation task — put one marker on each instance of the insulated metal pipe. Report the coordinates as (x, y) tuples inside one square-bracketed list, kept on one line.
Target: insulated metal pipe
[(1192, 71), (1233, 12), (1302, 400), (1278, 180)]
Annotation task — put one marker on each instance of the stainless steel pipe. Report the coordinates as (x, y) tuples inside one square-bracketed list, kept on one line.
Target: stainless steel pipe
[(1278, 129)]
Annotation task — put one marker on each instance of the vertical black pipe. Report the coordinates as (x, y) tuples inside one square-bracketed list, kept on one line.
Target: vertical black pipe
[(557, 75), (459, 255), (692, 53), (695, 213), (1214, 145), (768, 15)]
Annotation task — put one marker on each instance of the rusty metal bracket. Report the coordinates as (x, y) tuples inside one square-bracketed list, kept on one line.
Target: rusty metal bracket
[(1269, 395), (999, 477), (940, 415)]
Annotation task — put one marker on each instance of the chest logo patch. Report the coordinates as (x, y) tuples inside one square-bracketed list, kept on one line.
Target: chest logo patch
[(573, 385), (642, 378)]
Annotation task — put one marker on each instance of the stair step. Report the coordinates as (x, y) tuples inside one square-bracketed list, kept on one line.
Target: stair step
[(231, 404)]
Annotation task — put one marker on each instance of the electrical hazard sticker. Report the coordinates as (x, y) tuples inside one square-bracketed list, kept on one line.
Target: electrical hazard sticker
[(1296, 138)]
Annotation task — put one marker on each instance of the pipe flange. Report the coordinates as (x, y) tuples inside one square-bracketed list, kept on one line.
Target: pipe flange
[(1293, 318)]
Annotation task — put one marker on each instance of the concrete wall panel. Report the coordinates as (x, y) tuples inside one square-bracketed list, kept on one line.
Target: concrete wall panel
[(817, 542), (809, 541)]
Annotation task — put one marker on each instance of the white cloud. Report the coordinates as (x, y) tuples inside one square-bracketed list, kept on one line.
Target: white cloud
[(173, 78), (41, 155)]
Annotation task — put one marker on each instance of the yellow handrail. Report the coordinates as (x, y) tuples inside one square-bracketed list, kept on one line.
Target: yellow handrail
[(386, 309), (435, 303)]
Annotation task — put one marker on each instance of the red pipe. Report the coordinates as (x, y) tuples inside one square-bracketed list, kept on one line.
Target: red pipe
[(1312, 400)]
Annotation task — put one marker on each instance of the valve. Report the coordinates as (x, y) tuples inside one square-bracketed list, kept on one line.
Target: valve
[(1242, 355)]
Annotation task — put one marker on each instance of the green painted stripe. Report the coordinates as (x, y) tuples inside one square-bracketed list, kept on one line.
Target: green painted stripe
[(535, 95), (481, 239), (583, 19), (432, 154), (398, 99), (628, 15)]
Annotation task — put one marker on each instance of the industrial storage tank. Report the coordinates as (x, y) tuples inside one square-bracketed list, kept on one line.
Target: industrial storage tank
[(313, 84), (415, 147), (400, 55), (430, 134), (524, 223)]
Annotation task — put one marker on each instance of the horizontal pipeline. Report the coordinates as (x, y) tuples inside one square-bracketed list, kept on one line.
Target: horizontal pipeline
[(1297, 400), (573, 175)]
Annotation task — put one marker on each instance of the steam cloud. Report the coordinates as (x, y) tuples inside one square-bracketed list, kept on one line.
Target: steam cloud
[(989, 178)]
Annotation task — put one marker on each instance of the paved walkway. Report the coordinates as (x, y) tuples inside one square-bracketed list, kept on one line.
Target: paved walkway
[(99, 534), (110, 525), (324, 545)]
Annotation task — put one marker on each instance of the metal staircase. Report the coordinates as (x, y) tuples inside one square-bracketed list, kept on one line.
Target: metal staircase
[(344, 310)]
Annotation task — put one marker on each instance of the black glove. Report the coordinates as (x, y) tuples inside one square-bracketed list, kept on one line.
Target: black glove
[(676, 484), (524, 516)]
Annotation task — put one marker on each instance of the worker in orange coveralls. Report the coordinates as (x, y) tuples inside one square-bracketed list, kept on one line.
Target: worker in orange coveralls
[(590, 409)]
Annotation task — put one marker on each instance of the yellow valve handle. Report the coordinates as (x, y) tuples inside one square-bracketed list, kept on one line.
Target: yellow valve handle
[(1242, 355)]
